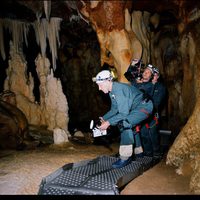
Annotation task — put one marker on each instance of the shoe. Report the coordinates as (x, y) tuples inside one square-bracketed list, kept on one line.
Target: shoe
[(121, 163), (139, 155), (157, 155), (148, 154)]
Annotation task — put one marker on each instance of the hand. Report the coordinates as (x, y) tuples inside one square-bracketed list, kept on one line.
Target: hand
[(139, 81), (101, 119), (104, 125)]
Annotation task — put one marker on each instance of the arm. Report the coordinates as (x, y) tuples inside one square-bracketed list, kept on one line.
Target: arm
[(159, 95), (113, 111), (121, 103)]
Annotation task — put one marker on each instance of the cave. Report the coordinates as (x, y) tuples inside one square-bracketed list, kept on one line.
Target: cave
[(51, 50)]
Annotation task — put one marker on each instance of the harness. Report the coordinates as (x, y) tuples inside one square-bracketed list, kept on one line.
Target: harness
[(155, 118), (138, 127)]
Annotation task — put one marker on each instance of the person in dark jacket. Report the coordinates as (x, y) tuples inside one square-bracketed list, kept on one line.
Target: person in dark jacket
[(159, 91), (144, 84), (156, 91), (128, 109), (150, 131)]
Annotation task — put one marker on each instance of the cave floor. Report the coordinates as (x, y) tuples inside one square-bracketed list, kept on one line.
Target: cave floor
[(21, 172)]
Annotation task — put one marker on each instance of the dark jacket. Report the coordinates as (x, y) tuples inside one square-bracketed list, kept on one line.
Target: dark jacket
[(156, 92), (159, 96)]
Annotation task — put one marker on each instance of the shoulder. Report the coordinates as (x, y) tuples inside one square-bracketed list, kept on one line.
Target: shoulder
[(160, 85), (118, 86)]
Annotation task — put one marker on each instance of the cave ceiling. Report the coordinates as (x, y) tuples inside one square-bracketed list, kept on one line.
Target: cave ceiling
[(29, 11)]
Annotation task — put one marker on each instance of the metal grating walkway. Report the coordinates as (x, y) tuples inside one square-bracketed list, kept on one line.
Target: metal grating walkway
[(93, 177)]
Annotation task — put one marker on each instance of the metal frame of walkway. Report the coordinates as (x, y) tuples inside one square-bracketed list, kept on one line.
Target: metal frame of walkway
[(93, 177)]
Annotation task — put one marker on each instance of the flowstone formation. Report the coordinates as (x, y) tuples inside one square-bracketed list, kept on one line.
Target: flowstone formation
[(52, 110), (185, 150)]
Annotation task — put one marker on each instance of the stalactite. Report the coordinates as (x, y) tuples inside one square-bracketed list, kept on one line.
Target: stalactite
[(18, 30), (47, 9), (44, 30), (53, 36), (26, 31), (41, 35)]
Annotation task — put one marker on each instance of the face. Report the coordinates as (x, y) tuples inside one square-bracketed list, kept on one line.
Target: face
[(155, 78), (104, 86), (146, 75)]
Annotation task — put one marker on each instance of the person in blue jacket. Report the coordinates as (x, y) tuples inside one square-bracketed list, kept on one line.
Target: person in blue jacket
[(128, 109)]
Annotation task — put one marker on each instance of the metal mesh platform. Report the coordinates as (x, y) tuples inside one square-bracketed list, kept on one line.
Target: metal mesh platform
[(93, 177)]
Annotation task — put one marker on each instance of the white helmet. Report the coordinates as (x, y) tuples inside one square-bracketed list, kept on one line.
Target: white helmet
[(156, 70), (150, 67), (103, 76)]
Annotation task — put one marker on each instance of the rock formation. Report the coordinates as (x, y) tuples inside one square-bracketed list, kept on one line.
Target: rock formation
[(185, 149), (52, 110), (118, 43)]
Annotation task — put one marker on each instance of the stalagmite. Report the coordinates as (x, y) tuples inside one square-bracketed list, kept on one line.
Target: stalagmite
[(53, 108)]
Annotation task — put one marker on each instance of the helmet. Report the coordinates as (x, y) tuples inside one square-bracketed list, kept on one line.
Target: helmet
[(156, 71), (102, 76), (150, 67)]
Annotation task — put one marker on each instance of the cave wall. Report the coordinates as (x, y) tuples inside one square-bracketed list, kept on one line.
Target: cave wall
[(185, 149), (166, 56)]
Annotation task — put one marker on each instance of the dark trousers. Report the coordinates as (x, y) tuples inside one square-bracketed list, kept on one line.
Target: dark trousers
[(150, 138)]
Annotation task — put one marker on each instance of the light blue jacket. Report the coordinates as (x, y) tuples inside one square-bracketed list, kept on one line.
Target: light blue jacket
[(124, 99)]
